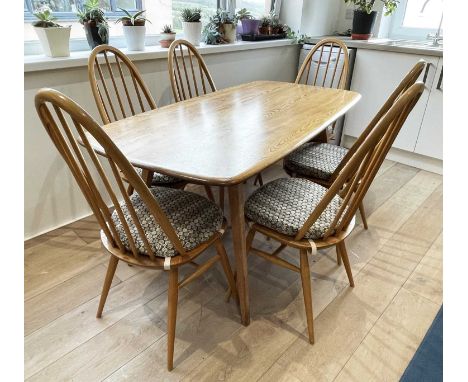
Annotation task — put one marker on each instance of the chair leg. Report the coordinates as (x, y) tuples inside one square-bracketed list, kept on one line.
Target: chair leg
[(338, 257), (130, 190), (113, 261), (363, 215), (258, 179), (344, 255), (221, 197), (307, 291), (226, 267), (172, 297), (209, 193), (249, 240)]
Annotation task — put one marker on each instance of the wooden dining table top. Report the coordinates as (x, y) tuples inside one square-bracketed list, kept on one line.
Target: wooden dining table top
[(225, 137)]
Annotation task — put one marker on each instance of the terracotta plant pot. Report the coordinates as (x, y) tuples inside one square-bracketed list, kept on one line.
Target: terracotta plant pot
[(363, 23), (166, 39), (263, 30), (92, 35)]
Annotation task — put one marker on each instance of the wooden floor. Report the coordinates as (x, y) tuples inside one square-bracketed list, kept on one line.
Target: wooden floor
[(366, 333)]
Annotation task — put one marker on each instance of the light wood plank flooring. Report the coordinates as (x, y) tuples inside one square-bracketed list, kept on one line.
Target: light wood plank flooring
[(366, 333)]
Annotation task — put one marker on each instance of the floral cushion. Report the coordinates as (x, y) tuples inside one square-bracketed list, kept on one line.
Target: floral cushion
[(159, 179), (316, 160), (285, 204), (194, 218)]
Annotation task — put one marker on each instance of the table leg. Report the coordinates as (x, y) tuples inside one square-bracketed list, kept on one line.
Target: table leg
[(236, 204), (147, 177)]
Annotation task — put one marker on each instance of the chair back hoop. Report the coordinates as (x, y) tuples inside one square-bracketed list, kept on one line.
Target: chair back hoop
[(75, 145), (187, 80), (357, 175), (327, 63), (404, 85), (118, 88)]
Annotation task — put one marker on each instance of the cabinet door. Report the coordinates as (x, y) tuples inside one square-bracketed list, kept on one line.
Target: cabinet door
[(376, 74), (430, 136)]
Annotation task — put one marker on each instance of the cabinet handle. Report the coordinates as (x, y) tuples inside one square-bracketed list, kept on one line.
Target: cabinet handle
[(439, 83), (426, 72)]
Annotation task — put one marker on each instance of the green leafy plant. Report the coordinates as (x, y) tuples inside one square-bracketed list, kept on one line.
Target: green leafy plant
[(136, 19), (212, 34), (265, 22), (92, 13), (167, 29), (243, 14), (45, 19), (191, 15), (368, 5), (274, 20)]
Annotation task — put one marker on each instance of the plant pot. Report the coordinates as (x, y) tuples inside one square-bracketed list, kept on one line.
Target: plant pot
[(250, 26), (166, 39), (263, 30), (192, 32), (135, 37), (92, 35), (363, 23), (228, 32), (55, 41)]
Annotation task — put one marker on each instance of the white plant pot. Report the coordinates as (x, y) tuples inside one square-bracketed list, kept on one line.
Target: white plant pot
[(55, 41), (192, 32), (167, 36), (135, 37)]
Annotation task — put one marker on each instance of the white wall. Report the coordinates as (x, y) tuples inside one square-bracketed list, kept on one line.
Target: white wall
[(51, 196)]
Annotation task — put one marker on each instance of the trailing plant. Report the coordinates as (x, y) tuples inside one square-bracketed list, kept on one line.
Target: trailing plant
[(368, 5), (212, 31), (243, 14), (91, 12), (136, 19), (191, 15), (45, 19), (167, 29)]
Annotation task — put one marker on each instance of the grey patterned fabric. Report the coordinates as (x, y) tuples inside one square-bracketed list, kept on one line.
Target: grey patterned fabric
[(317, 160), (159, 179), (285, 204), (194, 218)]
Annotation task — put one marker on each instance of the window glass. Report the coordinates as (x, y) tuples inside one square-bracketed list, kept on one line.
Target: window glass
[(423, 14), (256, 7), (208, 8)]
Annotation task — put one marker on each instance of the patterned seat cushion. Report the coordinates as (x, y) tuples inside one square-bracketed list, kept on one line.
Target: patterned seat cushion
[(285, 204), (316, 160), (159, 179), (194, 218)]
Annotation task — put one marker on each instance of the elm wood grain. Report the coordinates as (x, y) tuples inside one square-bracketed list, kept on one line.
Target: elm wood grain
[(351, 184), (52, 106)]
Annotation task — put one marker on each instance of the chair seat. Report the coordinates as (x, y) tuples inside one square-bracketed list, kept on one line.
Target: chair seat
[(159, 178), (285, 204), (315, 160), (194, 218)]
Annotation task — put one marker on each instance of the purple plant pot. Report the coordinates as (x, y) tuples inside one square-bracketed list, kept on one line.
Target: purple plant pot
[(250, 26)]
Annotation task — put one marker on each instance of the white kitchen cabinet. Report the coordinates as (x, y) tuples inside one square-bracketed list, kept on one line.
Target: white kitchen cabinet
[(376, 74), (430, 135)]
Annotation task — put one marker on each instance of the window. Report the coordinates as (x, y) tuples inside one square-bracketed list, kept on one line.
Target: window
[(416, 18), (257, 8)]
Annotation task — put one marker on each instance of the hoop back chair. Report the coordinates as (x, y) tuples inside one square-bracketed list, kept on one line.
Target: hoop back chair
[(145, 229), (117, 97), (322, 162), (327, 65), (302, 214), (190, 78)]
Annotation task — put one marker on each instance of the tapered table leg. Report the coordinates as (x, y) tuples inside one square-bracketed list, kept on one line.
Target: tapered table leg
[(236, 204), (147, 177)]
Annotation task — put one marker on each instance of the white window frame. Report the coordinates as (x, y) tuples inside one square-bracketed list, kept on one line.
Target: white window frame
[(398, 31)]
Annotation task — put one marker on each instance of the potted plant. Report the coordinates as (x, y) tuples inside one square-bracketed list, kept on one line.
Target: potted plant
[(134, 29), (167, 36), (221, 29), (364, 16), (192, 25), (54, 39), (249, 24), (274, 25), (94, 22), (264, 24)]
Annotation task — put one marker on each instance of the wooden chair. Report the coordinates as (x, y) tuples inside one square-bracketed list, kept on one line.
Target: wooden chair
[(119, 92), (159, 227), (326, 64), (322, 162), (190, 78), (304, 215)]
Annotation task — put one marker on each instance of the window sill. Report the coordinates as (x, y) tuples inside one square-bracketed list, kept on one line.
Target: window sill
[(41, 62)]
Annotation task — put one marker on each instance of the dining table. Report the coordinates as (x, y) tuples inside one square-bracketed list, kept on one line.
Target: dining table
[(226, 137)]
